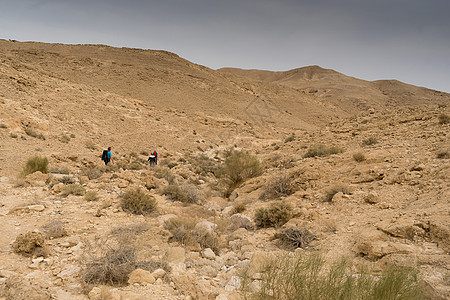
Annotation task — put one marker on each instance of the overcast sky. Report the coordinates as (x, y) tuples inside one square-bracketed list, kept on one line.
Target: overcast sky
[(407, 40)]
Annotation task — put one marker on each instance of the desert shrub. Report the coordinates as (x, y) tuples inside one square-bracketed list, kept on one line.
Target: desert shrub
[(34, 164), (92, 172), (443, 154), (4, 126), (369, 141), (183, 232), (290, 138), (91, 196), (137, 202), (203, 165), (275, 216), (59, 170), (185, 194), (171, 165), (32, 133), (135, 165), (91, 145), (112, 266), (54, 229), (293, 238), (239, 207), (14, 135), (132, 229), (359, 157), (444, 119), (134, 154), (64, 180), (165, 173), (73, 189), (322, 150), (300, 277), (64, 139), (29, 243), (281, 185), (329, 194), (145, 153)]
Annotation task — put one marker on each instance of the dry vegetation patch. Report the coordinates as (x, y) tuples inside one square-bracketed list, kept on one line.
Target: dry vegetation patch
[(73, 189), (137, 202), (329, 193), (30, 244), (34, 164), (293, 238), (276, 215), (280, 185), (54, 229), (322, 150)]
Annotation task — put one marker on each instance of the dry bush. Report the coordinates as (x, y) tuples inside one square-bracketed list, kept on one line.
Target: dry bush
[(14, 135), (293, 238), (134, 165), (163, 172), (359, 157), (112, 266), (130, 230), (64, 139), (73, 189), (280, 186), (32, 133), (4, 126), (443, 154), (92, 172), (54, 229), (305, 277), (329, 194), (185, 194), (91, 145), (239, 207), (322, 150), (369, 141), (444, 119), (275, 216), (30, 243), (137, 202), (290, 138), (60, 170), (34, 164), (91, 196), (64, 180)]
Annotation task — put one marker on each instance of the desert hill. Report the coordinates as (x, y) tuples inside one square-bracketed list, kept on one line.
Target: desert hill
[(253, 165)]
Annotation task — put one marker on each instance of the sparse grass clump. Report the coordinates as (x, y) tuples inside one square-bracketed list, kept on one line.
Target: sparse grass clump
[(239, 207), (370, 141), (293, 238), (64, 139), (32, 133), (34, 164), (14, 135), (305, 277), (93, 172), (91, 145), (279, 186), (30, 243), (329, 194), (443, 154), (137, 202), (275, 216), (185, 194), (359, 157), (322, 150), (3, 126), (164, 173), (91, 196), (54, 229), (59, 170), (290, 138), (73, 189), (444, 119)]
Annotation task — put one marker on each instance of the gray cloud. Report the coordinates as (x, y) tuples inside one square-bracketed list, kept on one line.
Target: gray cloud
[(403, 39)]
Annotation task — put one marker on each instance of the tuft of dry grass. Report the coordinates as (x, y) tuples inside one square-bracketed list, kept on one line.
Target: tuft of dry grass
[(54, 229), (276, 215), (185, 194), (359, 157), (329, 194), (444, 119), (29, 244), (32, 133), (279, 186), (369, 141), (293, 238), (137, 202), (73, 189), (91, 196), (34, 164), (322, 150)]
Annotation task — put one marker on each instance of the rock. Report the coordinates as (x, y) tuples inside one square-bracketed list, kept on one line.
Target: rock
[(36, 207), (208, 271), (205, 227), (221, 297), (185, 283), (440, 232), (254, 286), (57, 188), (403, 228), (338, 197), (241, 221), (69, 272), (175, 255), (159, 273), (228, 211), (209, 254), (233, 284), (372, 198), (141, 277)]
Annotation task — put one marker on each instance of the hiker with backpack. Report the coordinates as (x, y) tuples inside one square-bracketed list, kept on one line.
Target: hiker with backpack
[(153, 159), (106, 156)]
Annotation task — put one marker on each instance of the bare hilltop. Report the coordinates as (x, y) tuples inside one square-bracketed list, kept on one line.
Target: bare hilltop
[(262, 178)]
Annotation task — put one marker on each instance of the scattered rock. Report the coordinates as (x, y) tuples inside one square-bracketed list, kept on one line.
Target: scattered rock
[(141, 277)]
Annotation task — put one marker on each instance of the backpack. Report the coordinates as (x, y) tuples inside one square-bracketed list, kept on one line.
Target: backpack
[(105, 155)]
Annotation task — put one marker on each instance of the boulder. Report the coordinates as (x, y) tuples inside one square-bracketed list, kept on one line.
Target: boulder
[(141, 277)]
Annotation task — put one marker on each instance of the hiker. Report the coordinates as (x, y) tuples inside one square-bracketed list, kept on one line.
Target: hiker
[(106, 156), (153, 159)]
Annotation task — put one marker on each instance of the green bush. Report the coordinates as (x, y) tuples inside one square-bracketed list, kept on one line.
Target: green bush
[(73, 189), (137, 202), (301, 277), (274, 216), (34, 164), (322, 150)]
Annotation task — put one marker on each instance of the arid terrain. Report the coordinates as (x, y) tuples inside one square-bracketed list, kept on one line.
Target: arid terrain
[(360, 168)]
